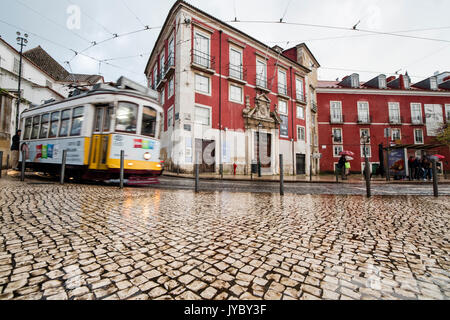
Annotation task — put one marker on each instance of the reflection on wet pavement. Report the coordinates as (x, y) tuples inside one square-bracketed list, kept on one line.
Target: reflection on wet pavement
[(99, 242)]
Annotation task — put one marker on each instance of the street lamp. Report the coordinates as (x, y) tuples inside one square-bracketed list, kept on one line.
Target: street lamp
[(22, 42), (259, 149)]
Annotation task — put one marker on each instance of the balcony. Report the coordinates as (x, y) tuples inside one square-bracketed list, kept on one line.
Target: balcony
[(313, 107), (336, 119), (237, 73), (262, 83), (395, 120), (160, 81), (282, 90), (203, 61), (364, 119), (169, 67), (300, 97)]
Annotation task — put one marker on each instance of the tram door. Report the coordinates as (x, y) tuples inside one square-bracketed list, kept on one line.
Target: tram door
[(100, 136)]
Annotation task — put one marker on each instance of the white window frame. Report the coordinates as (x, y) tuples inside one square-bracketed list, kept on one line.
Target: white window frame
[(399, 132), (412, 104), (171, 49), (209, 84), (303, 111), (171, 87), (361, 131), (368, 148), (342, 137), (332, 115), (155, 75), (297, 87), (341, 147), (264, 63), (170, 117), (415, 141), (394, 107), (359, 106), (161, 63), (207, 36), (210, 115), (241, 100), (282, 72), (447, 112), (163, 96), (241, 63), (287, 108), (304, 133)]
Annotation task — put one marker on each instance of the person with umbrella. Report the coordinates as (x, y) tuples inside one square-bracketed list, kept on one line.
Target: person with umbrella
[(341, 166)]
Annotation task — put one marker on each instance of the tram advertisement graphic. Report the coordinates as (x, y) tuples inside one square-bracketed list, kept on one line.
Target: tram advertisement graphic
[(51, 152), (134, 147)]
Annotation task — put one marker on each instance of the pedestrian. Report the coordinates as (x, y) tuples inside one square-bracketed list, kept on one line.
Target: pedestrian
[(417, 168), (411, 167), (347, 168), (341, 166), (426, 168), (15, 150)]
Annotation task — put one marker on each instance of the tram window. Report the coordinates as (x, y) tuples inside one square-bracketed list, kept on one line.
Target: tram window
[(126, 117), (54, 120), (26, 134), (35, 131), (148, 122), (77, 121), (44, 125), (65, 119), (107, 118)]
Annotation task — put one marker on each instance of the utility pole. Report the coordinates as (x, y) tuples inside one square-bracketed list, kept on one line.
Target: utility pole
[(22, 42)]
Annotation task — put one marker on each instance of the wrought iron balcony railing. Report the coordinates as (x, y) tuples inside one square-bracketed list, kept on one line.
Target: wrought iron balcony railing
[(170, 65), (314, 106), (262, 83), (363, 119), (395, 120), (237, 72), (202, 59), (337, 118), (282, 89), (300, 96)]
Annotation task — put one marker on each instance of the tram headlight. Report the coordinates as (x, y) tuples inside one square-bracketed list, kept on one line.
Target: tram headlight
[(147, 156)]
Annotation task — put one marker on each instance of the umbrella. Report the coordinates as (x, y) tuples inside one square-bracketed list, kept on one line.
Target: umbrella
[(439, 156), (348, 158), (347, 153)]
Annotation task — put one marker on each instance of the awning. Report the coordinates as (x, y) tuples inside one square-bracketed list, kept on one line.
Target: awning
[(416, 146)]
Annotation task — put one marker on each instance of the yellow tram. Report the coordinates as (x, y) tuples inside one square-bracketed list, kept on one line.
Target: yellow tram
[(94, 127)]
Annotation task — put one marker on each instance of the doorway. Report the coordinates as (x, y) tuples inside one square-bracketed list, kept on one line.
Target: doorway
[(263, 149), (100, 137), (300, 163)]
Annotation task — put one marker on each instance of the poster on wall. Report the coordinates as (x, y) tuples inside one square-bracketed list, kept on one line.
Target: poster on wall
[(396, 162)]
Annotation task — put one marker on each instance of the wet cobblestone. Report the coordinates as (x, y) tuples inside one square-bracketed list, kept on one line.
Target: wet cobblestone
[(99, 242)]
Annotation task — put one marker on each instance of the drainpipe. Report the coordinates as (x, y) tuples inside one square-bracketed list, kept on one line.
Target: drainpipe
[(293, 129), (220, 105)]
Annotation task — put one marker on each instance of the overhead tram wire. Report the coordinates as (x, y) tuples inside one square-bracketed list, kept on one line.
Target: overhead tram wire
[(134, 14), (337, 28), (52, 21)]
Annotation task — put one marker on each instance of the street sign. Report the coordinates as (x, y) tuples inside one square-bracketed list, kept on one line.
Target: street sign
[(317, 155)]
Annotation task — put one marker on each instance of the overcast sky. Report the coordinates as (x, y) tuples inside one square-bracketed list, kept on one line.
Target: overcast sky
[(352, 50)]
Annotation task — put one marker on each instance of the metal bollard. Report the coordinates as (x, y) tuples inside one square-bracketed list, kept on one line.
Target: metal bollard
[(367, 174), (281, 176), (435, 180), (22, 171), (63, 166), (1, 163), (7, 162), (122, 161), (196, 169), (310, 169)]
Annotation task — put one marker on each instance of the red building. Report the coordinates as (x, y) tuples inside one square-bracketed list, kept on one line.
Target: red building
[(229, 97), (414, 114)]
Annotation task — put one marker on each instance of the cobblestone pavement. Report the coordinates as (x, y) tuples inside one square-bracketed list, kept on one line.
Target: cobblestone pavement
[(99, 242)]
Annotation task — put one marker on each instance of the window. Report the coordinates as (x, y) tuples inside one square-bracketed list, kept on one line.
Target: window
[(16, 65), (282, 87), (44, 126), (299, 89), (54, 121), (162, 97), (337, 150), (282, 107), (201, 50), (126, 117), (236, 93), (161, 65), (300, 112), (416, 113), (107, 119), (236, 63), (202, 116), (447, 113), (148, 122), (261, 74), (284, 126), (64, 128), (171, 88), (27, 132), (418, 136), (382, 82), (155, 75), (77, 121), (368, 151), (301, 133), (170, 117), (363, 112), (35, 131), (202, 84), (394, 112), (396, 135), (364, 133), (171, 52), (336, 111), (433, 83), (337, 135)]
